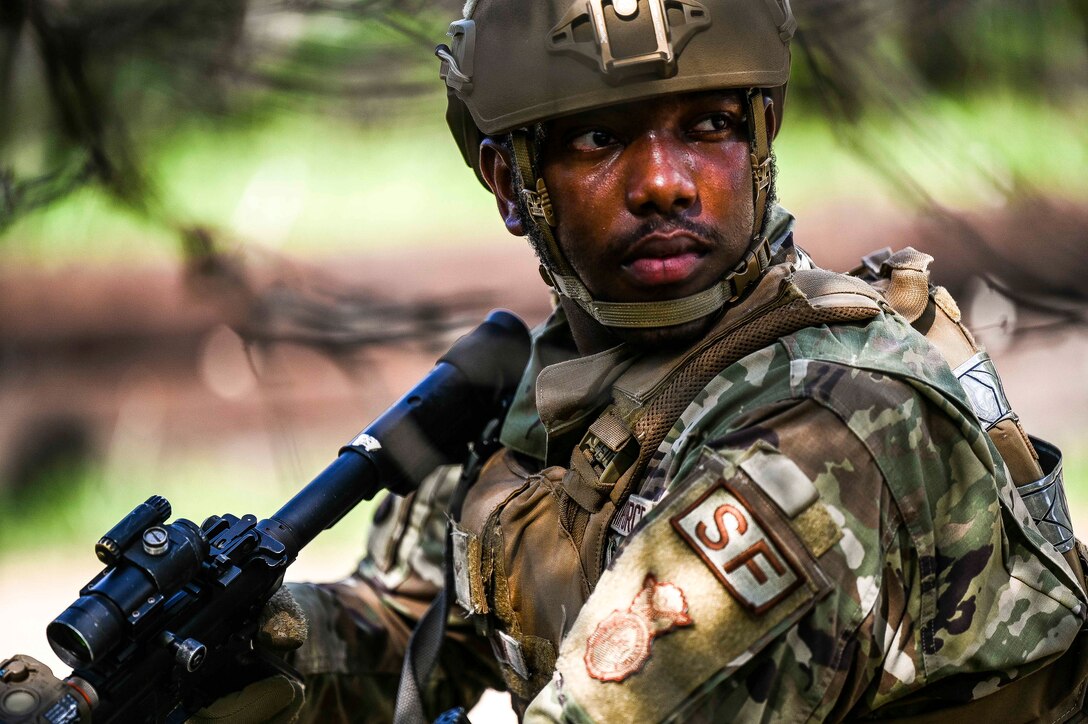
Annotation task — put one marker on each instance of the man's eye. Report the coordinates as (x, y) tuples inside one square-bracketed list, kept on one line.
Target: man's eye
[(716, 123), (592, 140)]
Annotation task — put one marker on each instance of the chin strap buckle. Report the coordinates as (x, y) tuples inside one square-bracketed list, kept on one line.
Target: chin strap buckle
[(761, 173), (539, 203), (749, 270)]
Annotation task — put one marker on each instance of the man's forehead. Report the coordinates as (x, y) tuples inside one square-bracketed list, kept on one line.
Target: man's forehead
[(729, 98)]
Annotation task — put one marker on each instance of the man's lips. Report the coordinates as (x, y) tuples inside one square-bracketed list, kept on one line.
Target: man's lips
[(660, 259), (653, 271)]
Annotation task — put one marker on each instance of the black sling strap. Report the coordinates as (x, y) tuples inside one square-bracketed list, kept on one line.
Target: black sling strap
[(426, 641)]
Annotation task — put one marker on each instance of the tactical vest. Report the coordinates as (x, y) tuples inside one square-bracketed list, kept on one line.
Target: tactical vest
[(531, 545)]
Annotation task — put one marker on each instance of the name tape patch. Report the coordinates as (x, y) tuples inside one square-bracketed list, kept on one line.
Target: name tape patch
[(737, 549), (632, 512)]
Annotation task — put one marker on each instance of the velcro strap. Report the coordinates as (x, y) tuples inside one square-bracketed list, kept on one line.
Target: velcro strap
[(817, 283), (583, 486), (611, 430), (606, 452), (467, 571)]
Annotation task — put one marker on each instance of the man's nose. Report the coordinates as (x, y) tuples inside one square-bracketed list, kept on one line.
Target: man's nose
[(660, 177)]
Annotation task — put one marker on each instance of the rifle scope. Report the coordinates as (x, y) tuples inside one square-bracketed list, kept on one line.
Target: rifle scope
[(149, 562)]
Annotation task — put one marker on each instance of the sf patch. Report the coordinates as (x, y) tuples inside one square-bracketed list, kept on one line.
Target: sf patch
[(729, 537)]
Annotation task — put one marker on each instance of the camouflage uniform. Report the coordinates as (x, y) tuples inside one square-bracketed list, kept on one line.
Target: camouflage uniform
[(927, 572), (880, 559)]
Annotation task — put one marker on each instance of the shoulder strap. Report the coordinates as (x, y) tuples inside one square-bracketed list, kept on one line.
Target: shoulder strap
[(813, 297), (903, 278), (1034, 465), (604, 466)]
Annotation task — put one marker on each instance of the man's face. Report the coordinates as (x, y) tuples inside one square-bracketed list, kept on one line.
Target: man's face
[(653, 198)]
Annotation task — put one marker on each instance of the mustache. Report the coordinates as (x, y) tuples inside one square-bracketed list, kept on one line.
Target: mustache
[(711, 235)]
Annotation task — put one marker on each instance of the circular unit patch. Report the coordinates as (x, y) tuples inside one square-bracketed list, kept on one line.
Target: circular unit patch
[(618, 647)]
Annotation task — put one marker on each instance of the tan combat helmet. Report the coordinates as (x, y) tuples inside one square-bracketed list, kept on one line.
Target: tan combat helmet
[(514, 63)]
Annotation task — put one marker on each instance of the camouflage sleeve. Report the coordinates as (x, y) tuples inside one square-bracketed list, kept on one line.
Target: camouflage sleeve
[(779, 614), (846, 543), (831, 662), (359, 627)]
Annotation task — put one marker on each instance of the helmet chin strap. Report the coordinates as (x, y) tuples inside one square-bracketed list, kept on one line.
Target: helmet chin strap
[(671, 312)]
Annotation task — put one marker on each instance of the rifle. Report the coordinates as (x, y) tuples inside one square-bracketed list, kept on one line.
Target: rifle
[(168, 625)]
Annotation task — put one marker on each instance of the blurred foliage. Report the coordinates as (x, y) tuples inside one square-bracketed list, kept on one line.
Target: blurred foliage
[(298, 183), (901, 59), (88, 86), (881, 55), (152, 105)]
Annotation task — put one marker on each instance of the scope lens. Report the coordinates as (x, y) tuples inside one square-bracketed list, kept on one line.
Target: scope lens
[(85, 632), (69, 645)]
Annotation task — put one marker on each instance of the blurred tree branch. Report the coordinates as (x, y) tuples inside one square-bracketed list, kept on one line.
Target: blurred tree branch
[(113, 76)]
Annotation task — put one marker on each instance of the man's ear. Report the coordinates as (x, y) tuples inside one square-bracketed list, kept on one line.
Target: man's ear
[(498, 173), (771, 116)]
